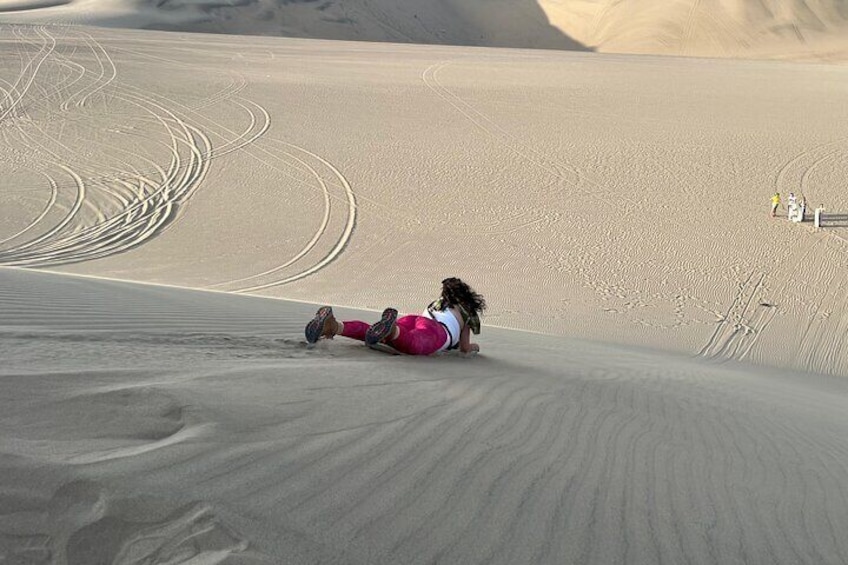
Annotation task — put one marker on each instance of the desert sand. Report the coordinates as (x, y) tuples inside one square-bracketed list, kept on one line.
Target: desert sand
[(774, 29), (146, 424), (662, 375)]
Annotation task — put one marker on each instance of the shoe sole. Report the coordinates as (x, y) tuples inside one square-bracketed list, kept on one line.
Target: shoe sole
[(315, 327), (385, 348), (381, 330)]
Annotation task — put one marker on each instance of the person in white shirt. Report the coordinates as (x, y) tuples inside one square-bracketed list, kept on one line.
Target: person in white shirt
[(447, 323)]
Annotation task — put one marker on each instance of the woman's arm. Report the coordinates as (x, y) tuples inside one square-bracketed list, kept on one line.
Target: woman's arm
[(465, 344)]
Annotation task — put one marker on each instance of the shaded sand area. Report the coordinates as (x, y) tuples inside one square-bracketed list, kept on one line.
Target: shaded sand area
[(498, 23), (614, 198), (145, 424)]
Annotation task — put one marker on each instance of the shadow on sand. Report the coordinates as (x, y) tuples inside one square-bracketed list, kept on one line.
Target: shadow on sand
[(837, 220), (482, 23)]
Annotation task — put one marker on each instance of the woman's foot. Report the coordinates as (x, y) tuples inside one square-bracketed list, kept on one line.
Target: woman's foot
[(324, 324), (382, 330)]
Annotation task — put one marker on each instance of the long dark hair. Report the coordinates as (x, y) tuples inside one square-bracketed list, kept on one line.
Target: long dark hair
[(456, 292)]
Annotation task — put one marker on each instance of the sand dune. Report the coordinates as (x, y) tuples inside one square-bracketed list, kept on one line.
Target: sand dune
[(631, 192), (716, 28), (795, 29), (542, 450), (499, 23), (678, 393)]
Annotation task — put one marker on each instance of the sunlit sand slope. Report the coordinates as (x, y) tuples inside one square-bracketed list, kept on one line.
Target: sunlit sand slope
[(618, 198), (146, 424), (815, 29)]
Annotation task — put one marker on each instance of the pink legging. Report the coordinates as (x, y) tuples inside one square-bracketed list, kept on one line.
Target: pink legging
[(418, 335)]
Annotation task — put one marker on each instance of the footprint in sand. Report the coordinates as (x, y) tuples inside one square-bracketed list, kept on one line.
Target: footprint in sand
[(81, 525)]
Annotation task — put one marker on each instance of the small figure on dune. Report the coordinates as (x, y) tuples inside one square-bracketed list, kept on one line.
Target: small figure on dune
[(447, 323), (818, 216), (775, 202), (792, 208)]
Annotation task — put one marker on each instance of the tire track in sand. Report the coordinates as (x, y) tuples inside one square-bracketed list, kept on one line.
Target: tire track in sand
[(334, 252), (142, 219), (284, 156), (734, 328), (746, 319), (146, 204), (51, 201), (565, 172), (31, 69), (144, 208)]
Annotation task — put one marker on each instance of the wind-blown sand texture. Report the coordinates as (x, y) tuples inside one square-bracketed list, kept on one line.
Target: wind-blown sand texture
[(678, 393), (146, 424)]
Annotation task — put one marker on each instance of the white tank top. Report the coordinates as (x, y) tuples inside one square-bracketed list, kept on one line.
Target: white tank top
[(450, 322)]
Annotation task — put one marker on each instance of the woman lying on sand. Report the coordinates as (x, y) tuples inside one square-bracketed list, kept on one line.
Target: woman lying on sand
[(447, 323)]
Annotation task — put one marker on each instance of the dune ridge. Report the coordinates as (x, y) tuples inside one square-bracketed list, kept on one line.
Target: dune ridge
[(773, 29), (717, 28)]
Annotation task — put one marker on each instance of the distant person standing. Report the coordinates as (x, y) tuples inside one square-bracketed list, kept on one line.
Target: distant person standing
[(817, 216), (775, 202), (792, 207)]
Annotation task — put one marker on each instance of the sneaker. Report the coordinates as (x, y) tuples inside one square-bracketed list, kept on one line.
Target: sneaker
[(318, 326), (382, 329)]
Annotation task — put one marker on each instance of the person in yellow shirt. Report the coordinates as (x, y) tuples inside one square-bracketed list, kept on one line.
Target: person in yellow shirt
[(775, 202)]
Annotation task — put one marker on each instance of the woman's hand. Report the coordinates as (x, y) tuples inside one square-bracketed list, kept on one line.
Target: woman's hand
[(469, 348)]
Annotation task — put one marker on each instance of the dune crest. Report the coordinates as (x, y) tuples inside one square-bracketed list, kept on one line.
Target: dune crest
[(719, 28), (795, 29), (499, 23)]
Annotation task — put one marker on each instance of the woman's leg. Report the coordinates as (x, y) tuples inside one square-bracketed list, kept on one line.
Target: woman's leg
[(325, 325), (418, 335), (354, 329), (413, 335)]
